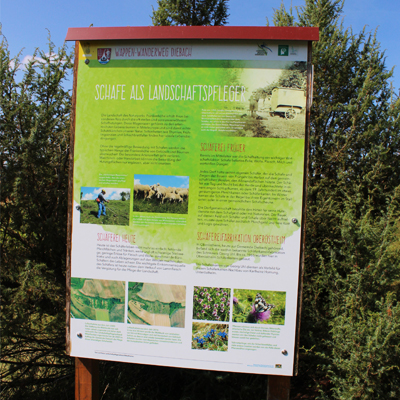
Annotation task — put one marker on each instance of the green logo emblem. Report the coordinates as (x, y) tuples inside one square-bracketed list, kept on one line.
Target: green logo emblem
[(283, 50)]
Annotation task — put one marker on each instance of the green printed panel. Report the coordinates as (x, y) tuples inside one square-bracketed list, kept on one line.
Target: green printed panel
[(217, 123)]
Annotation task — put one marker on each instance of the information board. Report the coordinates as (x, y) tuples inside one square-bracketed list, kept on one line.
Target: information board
[(188, 178)]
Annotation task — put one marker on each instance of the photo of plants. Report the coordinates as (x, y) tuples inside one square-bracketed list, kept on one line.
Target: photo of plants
[(210, 336), (259, 306), (211, 304)]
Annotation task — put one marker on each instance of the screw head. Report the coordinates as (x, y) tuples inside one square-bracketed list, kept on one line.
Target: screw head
[(284, 352), (80, 336), (87, 61), (294, 220)]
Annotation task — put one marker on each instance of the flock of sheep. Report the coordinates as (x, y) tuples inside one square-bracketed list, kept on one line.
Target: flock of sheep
[(161, 193)]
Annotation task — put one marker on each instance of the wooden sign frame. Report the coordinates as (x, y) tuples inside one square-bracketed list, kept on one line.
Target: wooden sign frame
[(278, 386)]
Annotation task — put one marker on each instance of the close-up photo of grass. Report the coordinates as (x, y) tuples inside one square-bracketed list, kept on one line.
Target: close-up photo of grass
[(258, 306)]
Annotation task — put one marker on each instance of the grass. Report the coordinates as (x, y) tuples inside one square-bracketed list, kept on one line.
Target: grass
[(77, 283), (102, 315), (272, 126), (253, 128), (117, 213), (155, 206), (245, 302)]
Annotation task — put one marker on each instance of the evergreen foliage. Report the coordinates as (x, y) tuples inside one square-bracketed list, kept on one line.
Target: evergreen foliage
[(34, 124), (351, 316), (190, 12), (293, 77), (350, 327)]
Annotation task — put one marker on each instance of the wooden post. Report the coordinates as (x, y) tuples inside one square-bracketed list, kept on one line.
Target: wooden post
[(71, 203), (278, 387), (86, 379)]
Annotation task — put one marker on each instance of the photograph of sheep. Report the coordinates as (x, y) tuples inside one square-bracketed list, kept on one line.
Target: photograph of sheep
[(161, 194), (104, 206), (259, 306)]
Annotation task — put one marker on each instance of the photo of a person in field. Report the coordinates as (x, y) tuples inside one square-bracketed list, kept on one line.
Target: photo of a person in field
[(101, 200), (104, 205)]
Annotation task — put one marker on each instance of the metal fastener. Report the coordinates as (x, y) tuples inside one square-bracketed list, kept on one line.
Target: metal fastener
[(80, 336), (87, 61), (284, 352), (294, 220)]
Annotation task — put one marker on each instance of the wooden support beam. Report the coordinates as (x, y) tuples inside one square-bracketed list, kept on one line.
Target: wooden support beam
[(86, 379), (278, 387)]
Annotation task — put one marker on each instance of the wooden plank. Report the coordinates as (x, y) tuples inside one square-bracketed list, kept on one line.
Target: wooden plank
[(86, 379), (194, 32), (278, 387), (71, 200)]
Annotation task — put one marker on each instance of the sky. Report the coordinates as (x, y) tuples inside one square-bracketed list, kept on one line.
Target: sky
[(26, 23), (163, 180), (90, 193)]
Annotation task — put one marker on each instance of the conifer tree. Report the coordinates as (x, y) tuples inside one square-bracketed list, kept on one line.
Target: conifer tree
[(350, 320), (34, 151), (190, 12)]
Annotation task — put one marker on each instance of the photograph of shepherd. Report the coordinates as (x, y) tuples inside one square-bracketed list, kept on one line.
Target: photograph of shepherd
[(100, 201), (253, 105), (104, 206), (161, 194), (276, 102)]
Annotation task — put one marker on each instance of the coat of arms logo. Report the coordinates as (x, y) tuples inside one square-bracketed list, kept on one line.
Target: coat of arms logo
[(104, 55)]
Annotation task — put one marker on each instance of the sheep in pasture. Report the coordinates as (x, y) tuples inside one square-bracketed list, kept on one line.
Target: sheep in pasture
[(161, 191), (141, 191), (151, 194), (184, 193), (172, 197)]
